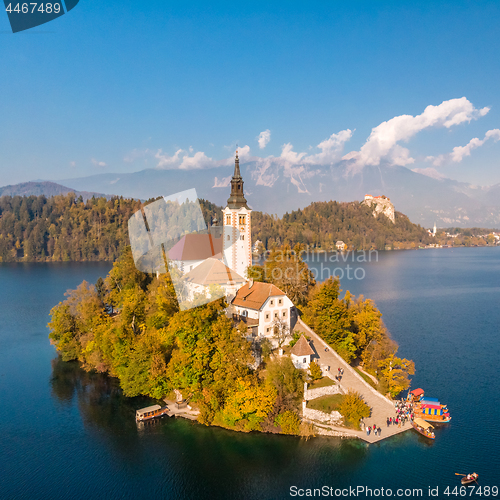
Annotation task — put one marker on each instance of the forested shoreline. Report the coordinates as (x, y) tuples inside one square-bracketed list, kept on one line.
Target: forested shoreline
[(65, 228)]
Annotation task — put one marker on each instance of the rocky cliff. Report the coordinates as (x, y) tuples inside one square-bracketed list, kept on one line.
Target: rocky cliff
[(381, 205)]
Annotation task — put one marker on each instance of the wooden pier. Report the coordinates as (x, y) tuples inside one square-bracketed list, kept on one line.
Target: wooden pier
[(174, 410)]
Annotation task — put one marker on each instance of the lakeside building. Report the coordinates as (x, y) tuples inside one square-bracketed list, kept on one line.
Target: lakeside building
[(340, 245), (262, 307), (193, 249), (214, 265)]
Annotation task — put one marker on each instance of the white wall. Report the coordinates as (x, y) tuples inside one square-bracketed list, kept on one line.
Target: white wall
[(270, 308), (237, 250), (298, 361)]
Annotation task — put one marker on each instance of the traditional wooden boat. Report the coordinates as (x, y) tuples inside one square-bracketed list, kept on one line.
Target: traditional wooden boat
[(150, 412), (433, 415), (425, 399), (470, 478), (432, 410), (415, 395), (423, 428), (432, 402)]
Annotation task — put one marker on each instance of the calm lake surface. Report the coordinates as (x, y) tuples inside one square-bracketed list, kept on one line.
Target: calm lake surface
[(67, 434)]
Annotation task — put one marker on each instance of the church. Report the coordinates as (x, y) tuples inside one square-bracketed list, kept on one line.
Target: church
[(220, 260), (231, 243)]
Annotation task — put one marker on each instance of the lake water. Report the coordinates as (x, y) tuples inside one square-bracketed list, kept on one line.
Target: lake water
[(67, 434)]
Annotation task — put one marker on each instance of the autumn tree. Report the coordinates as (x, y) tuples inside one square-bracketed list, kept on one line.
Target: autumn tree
[(330, 318), (315, 370), (353, 409)]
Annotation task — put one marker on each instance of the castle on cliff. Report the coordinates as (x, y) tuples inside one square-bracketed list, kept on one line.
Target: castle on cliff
[(381, 205)]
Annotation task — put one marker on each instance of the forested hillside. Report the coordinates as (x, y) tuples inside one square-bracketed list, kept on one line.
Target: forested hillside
[(65, 228), (322, 224), (62, 228)]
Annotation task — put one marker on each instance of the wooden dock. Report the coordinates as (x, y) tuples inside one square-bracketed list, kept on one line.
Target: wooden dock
[(185, 412)]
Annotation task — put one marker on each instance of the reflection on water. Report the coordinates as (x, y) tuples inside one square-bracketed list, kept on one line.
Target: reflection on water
[(99, 397), (201, 458)]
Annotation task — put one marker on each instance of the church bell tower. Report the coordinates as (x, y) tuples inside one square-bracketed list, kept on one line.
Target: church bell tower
[(237, 236)]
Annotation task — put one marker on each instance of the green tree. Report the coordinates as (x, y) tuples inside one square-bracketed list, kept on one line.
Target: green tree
[(289, 422), (286, 269), (315, 370), (353, 409), (330, 318)]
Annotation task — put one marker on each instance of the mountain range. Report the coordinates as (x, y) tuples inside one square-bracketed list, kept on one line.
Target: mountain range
[(275, 188), (46, 188)]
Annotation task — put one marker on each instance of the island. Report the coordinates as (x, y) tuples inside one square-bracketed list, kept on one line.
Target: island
[(268, 350)]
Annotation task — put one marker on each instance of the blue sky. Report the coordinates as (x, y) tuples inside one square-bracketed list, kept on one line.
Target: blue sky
[(121, 86)]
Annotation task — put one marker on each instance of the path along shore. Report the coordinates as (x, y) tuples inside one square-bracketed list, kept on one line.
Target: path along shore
[(381, 407)]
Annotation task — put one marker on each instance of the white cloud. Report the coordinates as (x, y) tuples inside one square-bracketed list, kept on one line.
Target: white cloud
[(429, 172), (185, 160), (382, 144), (243, 153), (331, 148), (97, 163), (264, 138), (460, 152), (291, 156), (224, 182), (72, 163), (198, 160), (165, 161), (331, 151)]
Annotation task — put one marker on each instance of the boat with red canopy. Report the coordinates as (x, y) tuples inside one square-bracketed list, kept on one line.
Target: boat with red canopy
[(416, 394)]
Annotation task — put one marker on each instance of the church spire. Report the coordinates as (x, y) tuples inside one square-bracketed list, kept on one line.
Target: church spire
[(237, 167), (237, 198)]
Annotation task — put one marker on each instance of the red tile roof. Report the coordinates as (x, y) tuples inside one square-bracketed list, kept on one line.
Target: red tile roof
[(196, 247), (302, 347), (255, 296)]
